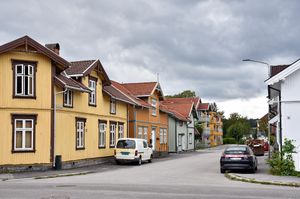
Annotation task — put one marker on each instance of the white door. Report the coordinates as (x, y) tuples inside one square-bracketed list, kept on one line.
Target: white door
[(145, 150), (153, 137)]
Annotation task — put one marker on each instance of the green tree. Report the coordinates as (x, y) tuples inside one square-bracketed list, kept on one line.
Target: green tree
[(236, 127), (183, 94)]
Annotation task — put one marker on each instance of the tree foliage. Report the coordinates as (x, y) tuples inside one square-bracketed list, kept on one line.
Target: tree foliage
[(236, 127), (183, 94)]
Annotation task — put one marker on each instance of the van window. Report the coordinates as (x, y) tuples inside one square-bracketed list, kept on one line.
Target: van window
[(145, 144), (126, 144)]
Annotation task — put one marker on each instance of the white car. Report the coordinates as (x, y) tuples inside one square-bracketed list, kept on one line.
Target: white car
[(133, 150)]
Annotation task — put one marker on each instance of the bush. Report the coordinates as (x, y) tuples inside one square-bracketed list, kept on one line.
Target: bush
[(229, 141), (283, 163)]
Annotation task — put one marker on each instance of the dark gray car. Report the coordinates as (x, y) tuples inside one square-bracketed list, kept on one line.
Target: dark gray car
[(238, 157)]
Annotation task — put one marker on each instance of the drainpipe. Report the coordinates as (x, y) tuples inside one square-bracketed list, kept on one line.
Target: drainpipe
[(176, 144), (54, 124), (134, 122)]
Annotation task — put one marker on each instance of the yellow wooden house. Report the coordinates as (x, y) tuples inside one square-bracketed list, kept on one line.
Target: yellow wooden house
[(52, 109)]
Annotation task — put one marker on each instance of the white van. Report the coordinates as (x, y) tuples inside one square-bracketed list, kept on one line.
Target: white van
[(133, 150)]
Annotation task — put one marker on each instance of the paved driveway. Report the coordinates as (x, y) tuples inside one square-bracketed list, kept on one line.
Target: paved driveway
[(191, 175)]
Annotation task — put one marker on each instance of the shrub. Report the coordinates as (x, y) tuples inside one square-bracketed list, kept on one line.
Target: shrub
[(283, 163), (229, 140)]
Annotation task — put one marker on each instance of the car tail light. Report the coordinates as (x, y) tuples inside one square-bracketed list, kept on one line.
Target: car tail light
[(136, 153)]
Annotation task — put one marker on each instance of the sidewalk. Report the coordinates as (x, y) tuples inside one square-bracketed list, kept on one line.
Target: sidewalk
[(262, 176)]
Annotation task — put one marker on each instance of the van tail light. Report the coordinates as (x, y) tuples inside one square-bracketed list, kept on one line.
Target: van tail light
[(136, 153), (115, 152)]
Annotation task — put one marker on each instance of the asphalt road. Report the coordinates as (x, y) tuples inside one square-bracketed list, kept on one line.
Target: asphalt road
[(192, 175)]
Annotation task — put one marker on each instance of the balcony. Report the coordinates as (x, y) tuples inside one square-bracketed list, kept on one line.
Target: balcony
[(204, 118)]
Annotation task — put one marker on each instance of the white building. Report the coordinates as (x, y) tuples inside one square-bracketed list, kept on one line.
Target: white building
[(284, 104)]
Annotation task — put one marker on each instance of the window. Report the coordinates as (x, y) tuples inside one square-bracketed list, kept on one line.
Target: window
[(23, 132), (112, 106), (80, 133), (92, 87), (145, 144), (24, 79), (68, 98), (121, 130), (180, 123), (190, 138), (140, 132), (102, 133), (112, 134), (146, 133), (153, 104), (165, 136), (161, 131), (179, 140)]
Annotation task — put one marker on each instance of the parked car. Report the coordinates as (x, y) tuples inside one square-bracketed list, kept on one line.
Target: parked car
[(133, 150), (257, 146), (238, 157)]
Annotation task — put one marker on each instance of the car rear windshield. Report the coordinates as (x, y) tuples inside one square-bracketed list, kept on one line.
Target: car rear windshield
[(236, 150), (126, 144)]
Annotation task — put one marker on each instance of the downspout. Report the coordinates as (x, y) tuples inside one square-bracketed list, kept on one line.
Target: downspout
[(176, 144), (134, 122), (127, 116)]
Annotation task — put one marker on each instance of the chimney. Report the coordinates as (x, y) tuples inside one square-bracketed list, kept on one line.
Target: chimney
[(54, 47)]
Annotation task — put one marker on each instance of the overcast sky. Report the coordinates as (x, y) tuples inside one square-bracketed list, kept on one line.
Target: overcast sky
[(196, 45)]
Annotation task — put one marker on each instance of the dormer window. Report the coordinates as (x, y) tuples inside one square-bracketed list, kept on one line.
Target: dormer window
[(92, 87), (68, 98), (153, 104), (24, 79), (112, 106)]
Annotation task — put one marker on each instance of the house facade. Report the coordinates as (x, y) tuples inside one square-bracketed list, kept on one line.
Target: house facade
[(212, 124), (51, 108), (182, 118), (147, 120), (284, 105)]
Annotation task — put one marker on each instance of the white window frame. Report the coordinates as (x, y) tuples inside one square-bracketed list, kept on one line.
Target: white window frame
[(161, 138), (121, 131), (23, 129), (112, 135), (179, 140), (68, 98), (80, 134), (190, 138), (165, 136), (140, 132), (153, 104), (29, 77), (145, 129), (113, 105), (92, 95), (102, 134)]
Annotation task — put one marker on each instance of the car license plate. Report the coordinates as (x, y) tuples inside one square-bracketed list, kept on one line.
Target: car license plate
[(125, 153), (235, 158)]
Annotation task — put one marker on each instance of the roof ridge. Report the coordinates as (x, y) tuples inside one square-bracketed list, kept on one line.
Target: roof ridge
[(92, 60)]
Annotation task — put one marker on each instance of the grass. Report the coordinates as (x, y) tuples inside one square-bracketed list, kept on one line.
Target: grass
[(252, 180)]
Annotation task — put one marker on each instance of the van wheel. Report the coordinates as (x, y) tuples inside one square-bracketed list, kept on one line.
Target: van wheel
[(150, 160), (139, 161)]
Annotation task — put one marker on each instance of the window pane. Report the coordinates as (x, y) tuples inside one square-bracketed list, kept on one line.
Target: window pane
[(28, 139), (28, 124), (26, 70), (19, 69), (19, 84), (26, 90), (30, 85), (19, 123), (18, 139)]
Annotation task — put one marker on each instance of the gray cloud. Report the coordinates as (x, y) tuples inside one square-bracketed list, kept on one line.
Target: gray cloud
[(194, 45)]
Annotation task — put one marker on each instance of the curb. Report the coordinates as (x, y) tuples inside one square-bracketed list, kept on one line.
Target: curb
[(253, 180), (63, 175)]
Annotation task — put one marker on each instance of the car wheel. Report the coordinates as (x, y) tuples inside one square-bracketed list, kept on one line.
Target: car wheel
[(150, 160), (139, 161), (222, 170)]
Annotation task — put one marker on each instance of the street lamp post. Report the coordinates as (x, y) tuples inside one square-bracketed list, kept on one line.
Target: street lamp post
[(269, 74)]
